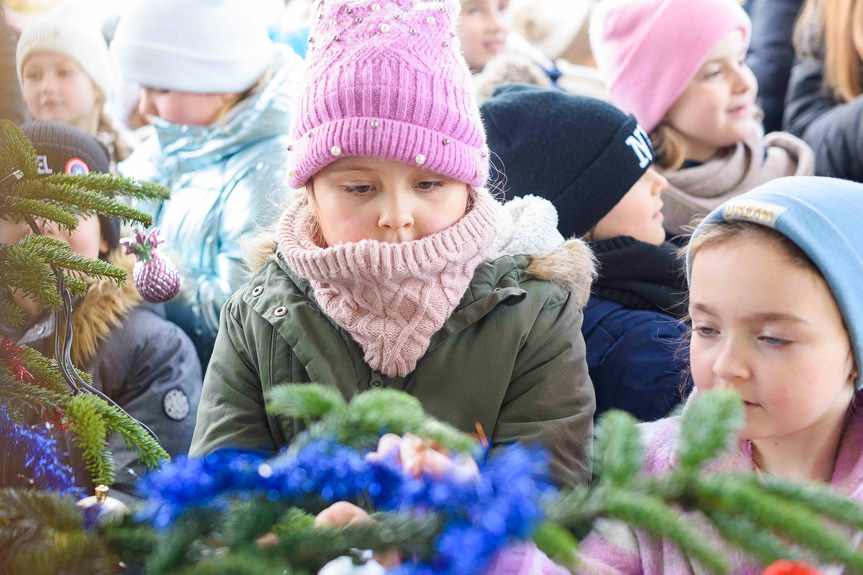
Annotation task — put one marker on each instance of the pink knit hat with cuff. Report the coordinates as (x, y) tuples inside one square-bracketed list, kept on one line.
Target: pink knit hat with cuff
[(650, 50), (386, 78)]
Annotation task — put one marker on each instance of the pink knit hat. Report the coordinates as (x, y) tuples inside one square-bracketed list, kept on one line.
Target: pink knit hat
[(386, 78), (650, 50)]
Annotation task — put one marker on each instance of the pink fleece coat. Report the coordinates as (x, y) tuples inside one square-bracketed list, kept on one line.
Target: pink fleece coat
[(614, 548)]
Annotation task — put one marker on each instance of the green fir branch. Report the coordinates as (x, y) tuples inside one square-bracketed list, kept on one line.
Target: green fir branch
[(59, 253), (149, 451), (709, 427), (655, 517), (304, 401), (361, 422), (311, 547), (87, 202), (761, 545), (799, 524), (115, 185), (91, 436), (19, 395), (245, 563), (176, 546), (11, 314), (46, 373), (618, 448), (29, 274), (17, 209), (818, 499), (18, 153)]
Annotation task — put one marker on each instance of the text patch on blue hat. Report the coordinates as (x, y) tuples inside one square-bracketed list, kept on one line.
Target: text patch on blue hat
[(755, 211)]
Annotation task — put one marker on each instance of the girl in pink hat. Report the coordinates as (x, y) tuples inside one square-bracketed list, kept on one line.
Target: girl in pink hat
[(679, 66), (395, 267)]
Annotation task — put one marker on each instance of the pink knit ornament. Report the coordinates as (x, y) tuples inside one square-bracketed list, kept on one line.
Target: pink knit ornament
[(155, 275), (386, 79), (390, 297)]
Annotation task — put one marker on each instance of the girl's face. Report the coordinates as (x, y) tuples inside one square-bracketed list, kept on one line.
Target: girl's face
[(183, 107), (715, 111), (360, 198), (770, 330), (57, 88), (638, 214), (483, 29)]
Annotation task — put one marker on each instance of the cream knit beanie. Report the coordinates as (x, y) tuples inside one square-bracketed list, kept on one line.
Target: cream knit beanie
[(68, 33), (201, 46)]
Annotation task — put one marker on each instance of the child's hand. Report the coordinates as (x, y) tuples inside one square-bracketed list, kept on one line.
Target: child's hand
[(418, 456), (344, 514)]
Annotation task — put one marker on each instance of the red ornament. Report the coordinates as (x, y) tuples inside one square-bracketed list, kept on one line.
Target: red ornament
[(785, 567)]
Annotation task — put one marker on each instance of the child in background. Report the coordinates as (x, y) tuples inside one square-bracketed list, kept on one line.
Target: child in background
[(774, 281), (679, 66), (547, 46), (137, 358), (219, 94), (824, 102), (483, 29), (65, 76), (396, 268), (593, 162)]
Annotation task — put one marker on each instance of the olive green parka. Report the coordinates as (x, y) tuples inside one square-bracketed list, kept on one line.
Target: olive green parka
[(511, 357)]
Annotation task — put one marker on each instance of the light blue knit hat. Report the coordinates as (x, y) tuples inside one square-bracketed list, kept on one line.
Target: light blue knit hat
[(823, 217)]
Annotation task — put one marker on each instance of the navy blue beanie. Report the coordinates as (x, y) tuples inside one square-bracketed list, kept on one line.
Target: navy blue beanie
[(65, 149), (822, 217), (581, 154)]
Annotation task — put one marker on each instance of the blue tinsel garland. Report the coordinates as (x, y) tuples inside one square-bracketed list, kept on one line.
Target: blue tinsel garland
[(482, 514), (42, 460)]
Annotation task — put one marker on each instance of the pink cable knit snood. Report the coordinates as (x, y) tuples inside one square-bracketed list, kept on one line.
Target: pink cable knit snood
[(391, 298)]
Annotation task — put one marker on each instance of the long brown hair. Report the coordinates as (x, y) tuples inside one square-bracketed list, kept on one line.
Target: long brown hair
[(669, 147), (836, 27)]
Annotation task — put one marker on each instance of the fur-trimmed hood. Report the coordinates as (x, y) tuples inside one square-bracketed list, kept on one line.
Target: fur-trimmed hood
[(101, 310), (527, 226)]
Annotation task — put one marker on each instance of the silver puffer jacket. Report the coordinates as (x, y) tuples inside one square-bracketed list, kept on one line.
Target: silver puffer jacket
[(226, 179)]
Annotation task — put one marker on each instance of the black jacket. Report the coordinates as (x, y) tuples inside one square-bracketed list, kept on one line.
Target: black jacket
[(833, 129), (771, 55)]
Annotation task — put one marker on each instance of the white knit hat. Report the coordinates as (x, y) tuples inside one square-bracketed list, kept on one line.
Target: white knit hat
[(67, 32), (202, 46), (550, 25)]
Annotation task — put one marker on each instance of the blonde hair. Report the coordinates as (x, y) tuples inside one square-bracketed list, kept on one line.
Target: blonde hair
[(240, 96), (722, 232), (836, 26)]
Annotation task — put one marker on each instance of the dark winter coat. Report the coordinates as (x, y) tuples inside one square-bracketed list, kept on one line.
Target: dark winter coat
[(631, 328), (146, 364), (634, 358), (510, 357), (832, 128), (771, 55)]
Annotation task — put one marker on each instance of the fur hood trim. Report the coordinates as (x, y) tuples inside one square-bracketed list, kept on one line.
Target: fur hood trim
[(104, 308), (259, 249), (571, 266)]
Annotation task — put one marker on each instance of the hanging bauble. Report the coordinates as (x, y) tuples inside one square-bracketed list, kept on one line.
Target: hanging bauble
[(155, 275)]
